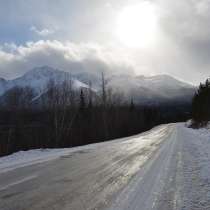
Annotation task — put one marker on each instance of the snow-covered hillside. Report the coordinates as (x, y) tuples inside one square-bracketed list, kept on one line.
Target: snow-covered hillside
[(160, 88)]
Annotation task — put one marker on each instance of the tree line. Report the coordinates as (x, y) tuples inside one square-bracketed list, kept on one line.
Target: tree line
[(201, 104), (63, 116)]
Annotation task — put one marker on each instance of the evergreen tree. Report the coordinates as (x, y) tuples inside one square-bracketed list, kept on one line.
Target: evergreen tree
[(132, 105), (201, 103), (82, 103)]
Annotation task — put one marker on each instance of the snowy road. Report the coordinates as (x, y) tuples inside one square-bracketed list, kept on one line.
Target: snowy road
[(163, 169)]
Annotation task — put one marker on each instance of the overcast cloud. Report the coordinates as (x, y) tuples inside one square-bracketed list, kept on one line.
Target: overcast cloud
[(74, 58), (77, 35)]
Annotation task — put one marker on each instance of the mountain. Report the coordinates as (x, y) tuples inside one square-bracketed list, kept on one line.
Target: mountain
[(154, 89), (143, 90), (38, 78)]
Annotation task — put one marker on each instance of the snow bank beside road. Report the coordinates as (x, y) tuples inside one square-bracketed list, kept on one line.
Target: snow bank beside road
[(202, 132), (195, 178), (30, 157), (25, 158)]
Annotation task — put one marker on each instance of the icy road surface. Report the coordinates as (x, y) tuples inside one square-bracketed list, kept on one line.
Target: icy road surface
[(163, 169)]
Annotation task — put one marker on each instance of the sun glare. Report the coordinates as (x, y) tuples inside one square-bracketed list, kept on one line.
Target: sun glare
[(137, 25)]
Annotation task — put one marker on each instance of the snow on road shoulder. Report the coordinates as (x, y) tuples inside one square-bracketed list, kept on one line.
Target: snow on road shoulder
[(195, 166), (25, 158), (203, 132), (30, 157)]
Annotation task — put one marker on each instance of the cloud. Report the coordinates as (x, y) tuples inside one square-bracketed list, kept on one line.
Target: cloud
[(43, 32), (182, 50), (67, 56), (186, 20)]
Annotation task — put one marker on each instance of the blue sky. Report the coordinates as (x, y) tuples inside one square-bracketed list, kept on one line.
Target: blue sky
[(60, 33), (73, 20)]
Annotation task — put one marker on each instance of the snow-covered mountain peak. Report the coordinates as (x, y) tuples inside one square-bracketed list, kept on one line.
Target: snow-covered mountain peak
[(38, 78), (42, 75), (43, 72), (153, 88), (163, 81)]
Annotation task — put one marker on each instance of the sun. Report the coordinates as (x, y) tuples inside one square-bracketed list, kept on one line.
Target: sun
[(137, 25)]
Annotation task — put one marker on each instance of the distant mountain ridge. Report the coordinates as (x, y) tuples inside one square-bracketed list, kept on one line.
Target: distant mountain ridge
[(154, 89), (38, 78), (143, 90)]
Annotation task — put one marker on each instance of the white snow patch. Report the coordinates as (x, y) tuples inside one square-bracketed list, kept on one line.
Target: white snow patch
[(25, 158), (189, 123)]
